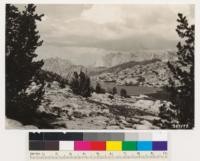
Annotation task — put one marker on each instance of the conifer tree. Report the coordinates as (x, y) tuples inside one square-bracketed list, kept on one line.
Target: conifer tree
[(86, 90), (123, 93), (82, 80), (98, 88), (80, 84), (12, 32), (182, 95), (22, 39), (114, 90), (75, 83)]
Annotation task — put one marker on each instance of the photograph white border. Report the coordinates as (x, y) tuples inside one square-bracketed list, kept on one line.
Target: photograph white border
[(176, 136)]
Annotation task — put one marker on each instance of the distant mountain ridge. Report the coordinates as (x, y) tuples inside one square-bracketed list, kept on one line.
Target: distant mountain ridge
[(149, 73), (63, 67), (114, 59), (117, 68)]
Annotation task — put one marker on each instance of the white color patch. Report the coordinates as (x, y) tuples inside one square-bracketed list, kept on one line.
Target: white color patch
[(66, 145)]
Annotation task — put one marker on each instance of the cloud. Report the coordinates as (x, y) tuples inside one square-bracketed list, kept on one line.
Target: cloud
[(115, 21), (125, 20), (102, 14), (83, 29)]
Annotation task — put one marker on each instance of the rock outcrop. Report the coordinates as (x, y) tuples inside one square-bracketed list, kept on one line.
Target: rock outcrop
[(14, 124), (154, 74), (100, 111)]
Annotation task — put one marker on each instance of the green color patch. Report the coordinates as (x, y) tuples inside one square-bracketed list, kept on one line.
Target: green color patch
[(129, 146)]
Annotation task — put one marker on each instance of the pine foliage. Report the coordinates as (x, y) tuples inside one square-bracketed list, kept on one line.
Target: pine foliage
[(80, 84), (182, 93), (22, 40)]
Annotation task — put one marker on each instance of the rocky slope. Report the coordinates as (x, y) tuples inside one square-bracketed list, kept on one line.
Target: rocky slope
[(62, 67), (153, 73), (100, 111), (150, 73), (13, 124)]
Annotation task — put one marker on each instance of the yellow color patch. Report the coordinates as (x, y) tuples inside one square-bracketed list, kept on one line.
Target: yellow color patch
[(113, 145)]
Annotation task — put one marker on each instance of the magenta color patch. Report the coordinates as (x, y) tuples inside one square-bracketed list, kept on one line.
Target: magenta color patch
[(82, 145)]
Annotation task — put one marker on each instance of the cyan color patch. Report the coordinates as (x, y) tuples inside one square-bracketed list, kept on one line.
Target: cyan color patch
[(144, 145)]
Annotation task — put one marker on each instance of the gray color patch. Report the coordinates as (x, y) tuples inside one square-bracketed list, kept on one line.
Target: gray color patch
[(103, 136), (131, 136)]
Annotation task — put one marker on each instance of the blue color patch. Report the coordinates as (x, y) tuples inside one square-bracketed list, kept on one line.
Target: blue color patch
[(144, 146)]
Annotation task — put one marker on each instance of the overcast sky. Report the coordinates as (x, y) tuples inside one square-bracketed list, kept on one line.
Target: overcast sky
[(84, 33)]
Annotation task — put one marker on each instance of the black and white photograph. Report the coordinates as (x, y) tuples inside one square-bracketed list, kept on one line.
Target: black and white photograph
[(99, 66)]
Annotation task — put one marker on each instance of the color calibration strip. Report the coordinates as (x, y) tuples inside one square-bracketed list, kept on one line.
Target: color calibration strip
[(98, 142)]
